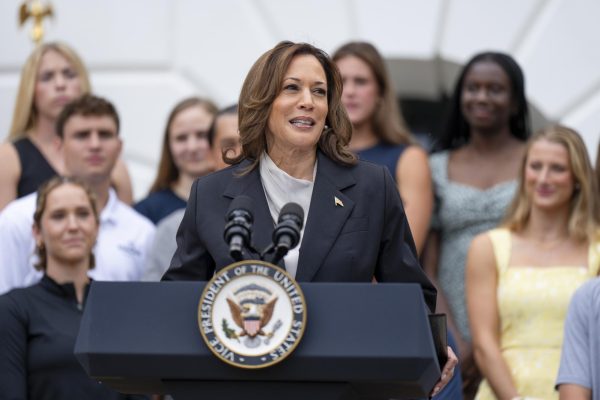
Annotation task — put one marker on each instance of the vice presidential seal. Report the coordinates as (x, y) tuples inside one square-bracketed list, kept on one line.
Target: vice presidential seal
[(252, 314)]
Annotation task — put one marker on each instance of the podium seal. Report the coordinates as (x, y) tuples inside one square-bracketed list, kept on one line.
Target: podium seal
[(252, 314)]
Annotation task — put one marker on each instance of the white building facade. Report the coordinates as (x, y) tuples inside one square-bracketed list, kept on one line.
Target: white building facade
[(145, 55)]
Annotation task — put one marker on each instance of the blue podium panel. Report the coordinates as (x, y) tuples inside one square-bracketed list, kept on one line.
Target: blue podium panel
[(361, 341)]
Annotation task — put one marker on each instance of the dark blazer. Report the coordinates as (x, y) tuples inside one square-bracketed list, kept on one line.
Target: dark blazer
[(367, 236)]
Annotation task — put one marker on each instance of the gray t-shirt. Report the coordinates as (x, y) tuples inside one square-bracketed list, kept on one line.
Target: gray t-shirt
[(580, 359)]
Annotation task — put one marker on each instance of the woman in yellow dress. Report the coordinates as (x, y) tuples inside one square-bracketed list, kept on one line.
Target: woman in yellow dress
[(520, 277)]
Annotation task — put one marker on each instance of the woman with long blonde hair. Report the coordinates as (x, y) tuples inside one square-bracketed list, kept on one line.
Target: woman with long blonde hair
[(52, 76), (520, 277)]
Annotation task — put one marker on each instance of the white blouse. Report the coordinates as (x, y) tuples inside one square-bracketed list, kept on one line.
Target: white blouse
[(280, 189)]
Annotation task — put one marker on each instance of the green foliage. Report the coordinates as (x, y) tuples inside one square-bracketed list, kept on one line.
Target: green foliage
[(230, 333)]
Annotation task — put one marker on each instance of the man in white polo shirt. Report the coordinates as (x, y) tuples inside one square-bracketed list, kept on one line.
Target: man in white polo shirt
[(90, 143)]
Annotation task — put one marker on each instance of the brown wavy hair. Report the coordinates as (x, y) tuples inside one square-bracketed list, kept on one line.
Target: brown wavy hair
[(42, 200), (584, 219), (387, 120), (168, 173), (263, 84)]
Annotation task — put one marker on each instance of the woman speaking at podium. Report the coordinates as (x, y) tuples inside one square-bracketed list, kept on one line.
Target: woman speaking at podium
[(294, 134)]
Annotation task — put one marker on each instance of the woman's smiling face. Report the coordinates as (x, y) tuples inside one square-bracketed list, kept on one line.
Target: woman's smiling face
[(487, 98), (298, 114)]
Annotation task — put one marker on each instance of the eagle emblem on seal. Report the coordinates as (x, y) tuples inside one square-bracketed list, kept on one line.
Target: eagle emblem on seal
[(251, 309)]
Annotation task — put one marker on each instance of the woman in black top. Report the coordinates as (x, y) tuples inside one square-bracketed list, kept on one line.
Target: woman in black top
[(52, 76), (40, 323)]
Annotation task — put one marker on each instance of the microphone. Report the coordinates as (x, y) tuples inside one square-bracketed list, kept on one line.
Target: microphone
[(238, 233), (286, 234)]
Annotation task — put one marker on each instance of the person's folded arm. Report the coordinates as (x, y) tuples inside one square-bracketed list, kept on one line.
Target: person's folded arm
[(574, 392)]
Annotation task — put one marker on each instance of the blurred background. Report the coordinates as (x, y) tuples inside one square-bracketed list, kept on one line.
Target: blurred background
[(145, 55)]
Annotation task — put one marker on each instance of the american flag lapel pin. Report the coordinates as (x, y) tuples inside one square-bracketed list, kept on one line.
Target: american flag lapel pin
[(338, 202)]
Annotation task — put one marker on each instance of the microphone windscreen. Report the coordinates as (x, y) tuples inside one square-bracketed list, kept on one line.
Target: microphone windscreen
[(241, 202), (293, 209)]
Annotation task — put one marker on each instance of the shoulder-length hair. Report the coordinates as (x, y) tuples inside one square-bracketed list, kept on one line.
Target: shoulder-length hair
[(41, 202), (25, 114), (457, 131), (387, 120), (584, 218), (263, 84), (168, 173)]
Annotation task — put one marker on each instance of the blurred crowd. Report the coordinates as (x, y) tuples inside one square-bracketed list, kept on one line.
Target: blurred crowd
[(506, 221)]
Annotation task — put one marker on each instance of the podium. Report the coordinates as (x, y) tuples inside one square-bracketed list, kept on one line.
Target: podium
[(362, 341)]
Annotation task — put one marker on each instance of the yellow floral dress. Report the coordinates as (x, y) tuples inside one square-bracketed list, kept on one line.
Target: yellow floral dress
[(533, 304)]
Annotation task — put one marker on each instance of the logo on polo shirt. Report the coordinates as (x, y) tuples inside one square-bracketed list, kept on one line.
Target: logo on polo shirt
[(252, 314), (131, 249)]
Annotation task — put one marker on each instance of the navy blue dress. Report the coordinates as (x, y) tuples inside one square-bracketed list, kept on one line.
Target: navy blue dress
[(159, 204), (383, 154)]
